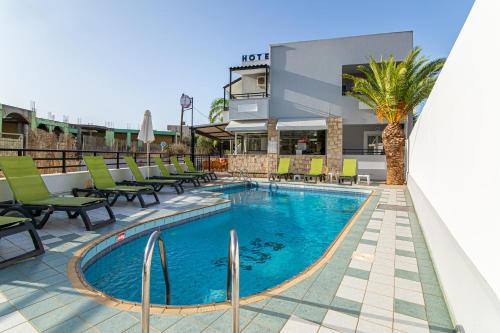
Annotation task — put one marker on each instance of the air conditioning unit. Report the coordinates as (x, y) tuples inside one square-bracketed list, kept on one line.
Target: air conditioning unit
[(261, 82)]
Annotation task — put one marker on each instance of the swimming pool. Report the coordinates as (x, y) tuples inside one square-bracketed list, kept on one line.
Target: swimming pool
[(281, 232)]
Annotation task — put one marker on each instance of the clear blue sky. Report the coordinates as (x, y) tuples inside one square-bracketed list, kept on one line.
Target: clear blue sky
[(111, 60)]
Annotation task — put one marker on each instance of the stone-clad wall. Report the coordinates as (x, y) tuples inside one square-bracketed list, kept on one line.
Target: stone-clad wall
[(253, 164), (273, 139), (334, 144)]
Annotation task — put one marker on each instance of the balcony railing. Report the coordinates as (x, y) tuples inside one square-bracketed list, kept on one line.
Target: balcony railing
[(354, 151), (249, 95), (63, 161)]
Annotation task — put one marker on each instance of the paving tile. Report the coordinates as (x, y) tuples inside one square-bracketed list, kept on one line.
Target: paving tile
[(59, 316), (380, 301), (360, 264), (409, 309), (22, 328), (409, 296), (403, 274), (365, 326), (377, 315), (410, 324), (358, 273), (98, 314), (437, 312), (346, 306), (349, 293), (117, 323), (299, 325), (40, 308), (408, 284), (10, 320), (74, 325), (340, 322), (405, 253)]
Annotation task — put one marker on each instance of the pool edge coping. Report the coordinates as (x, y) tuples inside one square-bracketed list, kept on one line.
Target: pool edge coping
[(79, 283)]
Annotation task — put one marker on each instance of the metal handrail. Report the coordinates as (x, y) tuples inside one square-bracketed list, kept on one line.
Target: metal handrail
[(146, 276), (233, 280)]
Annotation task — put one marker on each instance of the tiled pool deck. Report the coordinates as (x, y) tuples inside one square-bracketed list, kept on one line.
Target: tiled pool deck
[(380, 279)]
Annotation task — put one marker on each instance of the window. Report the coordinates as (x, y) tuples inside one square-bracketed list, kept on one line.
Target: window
[(302, 142), (373, 142), (256, 143)]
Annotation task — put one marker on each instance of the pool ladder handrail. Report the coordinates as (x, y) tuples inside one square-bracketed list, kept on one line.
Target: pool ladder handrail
[(233, 280), (146, 276)]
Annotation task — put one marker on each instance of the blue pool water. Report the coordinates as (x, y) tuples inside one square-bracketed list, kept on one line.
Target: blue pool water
[(281, 233)]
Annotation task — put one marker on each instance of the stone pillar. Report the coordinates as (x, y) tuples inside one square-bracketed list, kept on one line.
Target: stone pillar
[(272, 146), (334, 144)]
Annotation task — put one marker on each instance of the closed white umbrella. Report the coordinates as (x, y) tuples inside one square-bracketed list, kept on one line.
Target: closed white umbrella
[(146, 133)]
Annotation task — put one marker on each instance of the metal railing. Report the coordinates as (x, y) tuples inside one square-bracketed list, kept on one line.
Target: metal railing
[(361, 151), (72, 160), (146, 276), (249, 95), (233, 280)]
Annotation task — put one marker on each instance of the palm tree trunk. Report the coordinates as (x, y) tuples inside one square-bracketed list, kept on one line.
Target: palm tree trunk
[(393, 138)]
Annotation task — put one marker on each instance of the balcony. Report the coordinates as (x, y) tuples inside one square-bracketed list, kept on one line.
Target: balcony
[(249, 108)]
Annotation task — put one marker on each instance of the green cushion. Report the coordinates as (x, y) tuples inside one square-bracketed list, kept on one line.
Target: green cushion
[(6, 220), (66, 201), (349, 168), (163, 169), (136, 172), (23, 178), (284, 165), (127, 188), (189, 164), (159, 181), (177, 166), (316, 167), (99, 172)]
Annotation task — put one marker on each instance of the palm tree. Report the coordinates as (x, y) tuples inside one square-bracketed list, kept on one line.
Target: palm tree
[(393, 90), (216, 108)]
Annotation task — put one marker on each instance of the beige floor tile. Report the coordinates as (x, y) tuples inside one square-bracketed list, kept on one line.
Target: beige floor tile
[(354, 282), (299, 325), (340, 321), (409, 324), (379, 301), (409, 296), (377, 315), (408, 284), (380, 288), (365, 326), (350, 293)]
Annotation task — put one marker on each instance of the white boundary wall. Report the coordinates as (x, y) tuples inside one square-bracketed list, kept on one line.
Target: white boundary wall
[(454, 172)]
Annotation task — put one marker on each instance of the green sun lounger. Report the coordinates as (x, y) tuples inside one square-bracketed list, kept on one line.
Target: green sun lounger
[(180, 170), (283, 170), (349, 171), (105, 186), (32, 197), (10, 225), (316, 171), (192, 169), (157, 184), (165, 174)]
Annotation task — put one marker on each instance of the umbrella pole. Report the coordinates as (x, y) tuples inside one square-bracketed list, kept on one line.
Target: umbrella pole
[(147, 154)]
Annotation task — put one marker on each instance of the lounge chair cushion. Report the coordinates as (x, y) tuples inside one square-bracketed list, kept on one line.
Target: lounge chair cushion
[(23, 178), (66, 201), (8, 220), (98, 170), (126, 188), (316, 167), (283, 166), (349, 168), (136, 172)]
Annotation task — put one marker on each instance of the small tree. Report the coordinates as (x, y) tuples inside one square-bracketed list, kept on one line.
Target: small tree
[(393, 90), (216, 108)]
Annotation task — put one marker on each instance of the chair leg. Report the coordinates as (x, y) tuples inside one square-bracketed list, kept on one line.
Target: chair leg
[(98, 224), (37, 243)]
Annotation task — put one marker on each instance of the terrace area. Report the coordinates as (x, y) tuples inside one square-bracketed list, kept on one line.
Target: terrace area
[(378, 276)]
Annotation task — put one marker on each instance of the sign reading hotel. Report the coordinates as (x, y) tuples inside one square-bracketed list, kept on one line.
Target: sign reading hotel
[(255, 59)]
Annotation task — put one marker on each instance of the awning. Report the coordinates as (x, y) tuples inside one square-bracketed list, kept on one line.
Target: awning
[(301, 124), (247, 126)]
